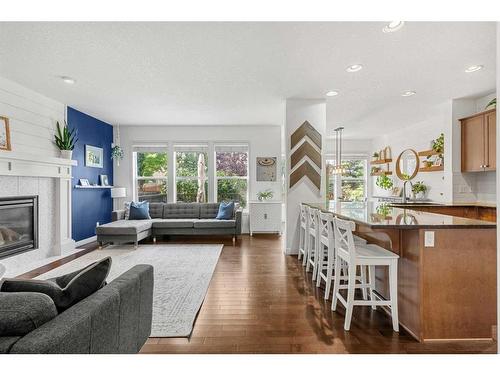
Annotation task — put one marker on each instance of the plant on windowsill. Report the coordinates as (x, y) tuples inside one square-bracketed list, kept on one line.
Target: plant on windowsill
[(65, 140), (419, 189), (265, 195), (384, 182)]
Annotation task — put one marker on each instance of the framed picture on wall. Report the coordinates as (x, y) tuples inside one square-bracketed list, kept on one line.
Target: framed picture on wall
[(104, 179), (84, 182), (4, 134), (93, 156), (266, 168)]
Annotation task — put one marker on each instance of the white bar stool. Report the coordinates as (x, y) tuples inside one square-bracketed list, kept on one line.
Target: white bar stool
[(302, 232), (312, 240), (371, 256), (326, 255)]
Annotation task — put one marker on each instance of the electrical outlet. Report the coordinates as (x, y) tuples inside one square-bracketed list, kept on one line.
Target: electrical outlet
[(429, 239)]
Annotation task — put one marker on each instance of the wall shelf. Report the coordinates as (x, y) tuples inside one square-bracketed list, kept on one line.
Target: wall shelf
[(383, 161), (380, 173), (427, 153), (93, 187), (434, 168)]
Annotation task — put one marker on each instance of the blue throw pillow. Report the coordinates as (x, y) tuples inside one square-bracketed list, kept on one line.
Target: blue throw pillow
[(225, 211), (139, 211)]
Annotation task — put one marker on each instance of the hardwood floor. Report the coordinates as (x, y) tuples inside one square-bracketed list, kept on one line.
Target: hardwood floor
[(261, 301)]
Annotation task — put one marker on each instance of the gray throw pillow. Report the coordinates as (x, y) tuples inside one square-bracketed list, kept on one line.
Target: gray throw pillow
[(21, 313), (68, 289)]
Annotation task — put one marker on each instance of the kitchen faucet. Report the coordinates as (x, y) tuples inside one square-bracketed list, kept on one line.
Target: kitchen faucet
[(404, 190)]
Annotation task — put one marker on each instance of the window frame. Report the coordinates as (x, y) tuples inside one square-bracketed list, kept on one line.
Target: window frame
[(244, 149), (337, 185), (199, 148), (137, 178)]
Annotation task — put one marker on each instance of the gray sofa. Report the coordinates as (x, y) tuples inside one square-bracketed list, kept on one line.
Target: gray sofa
[(115, 319), (169, 219)]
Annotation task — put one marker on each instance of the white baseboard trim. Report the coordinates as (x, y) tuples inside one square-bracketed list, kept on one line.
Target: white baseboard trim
[(86, 241)]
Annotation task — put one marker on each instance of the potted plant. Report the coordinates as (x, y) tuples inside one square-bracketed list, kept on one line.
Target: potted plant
[(491, 104), (384, 182), (116, 153), (375, 156), (438, 145), (419, 189), (428, 162), (65, 140), (265, 195), (375, 169)]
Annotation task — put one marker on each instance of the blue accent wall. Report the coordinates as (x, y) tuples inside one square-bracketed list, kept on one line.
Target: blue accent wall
[(90, 206)]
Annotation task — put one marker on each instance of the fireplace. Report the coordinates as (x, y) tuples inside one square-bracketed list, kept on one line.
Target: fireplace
[(18, 225)]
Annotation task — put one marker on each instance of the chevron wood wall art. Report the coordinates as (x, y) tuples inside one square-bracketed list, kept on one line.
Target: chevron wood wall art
[(305, 129), (311, 138), (305, 169)]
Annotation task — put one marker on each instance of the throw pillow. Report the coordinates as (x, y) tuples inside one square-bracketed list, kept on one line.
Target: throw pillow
[(127, 210), (226, 210), (65, 290), (139, 211), (23, 312)]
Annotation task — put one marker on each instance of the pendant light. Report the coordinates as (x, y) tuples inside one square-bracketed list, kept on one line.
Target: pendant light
[(338, 168)]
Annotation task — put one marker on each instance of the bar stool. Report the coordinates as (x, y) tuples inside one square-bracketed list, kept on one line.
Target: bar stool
[(326, 255), (302, 231), (354, 256), (312, 240)]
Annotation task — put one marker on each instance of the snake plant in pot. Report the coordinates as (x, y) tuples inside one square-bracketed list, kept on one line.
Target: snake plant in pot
[(65, 140)]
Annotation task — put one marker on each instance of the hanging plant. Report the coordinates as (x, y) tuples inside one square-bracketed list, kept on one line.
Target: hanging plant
[(116, 152), (384, 182), (438, 145)]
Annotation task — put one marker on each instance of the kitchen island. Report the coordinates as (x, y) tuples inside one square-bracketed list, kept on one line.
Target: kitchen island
[(446, 270)]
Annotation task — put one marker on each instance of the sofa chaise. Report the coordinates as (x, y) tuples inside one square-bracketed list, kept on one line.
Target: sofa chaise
[(115, 319), (169, 219)]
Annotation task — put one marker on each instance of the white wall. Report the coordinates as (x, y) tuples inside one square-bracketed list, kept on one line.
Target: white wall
[(418, 136), (262, 140), (32, 120), (450, 185)]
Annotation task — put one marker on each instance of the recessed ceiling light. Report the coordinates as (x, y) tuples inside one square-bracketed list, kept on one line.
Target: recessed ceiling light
[(332, 93), (408, 93), (473, 68), (354, 68), (67, 80), (393, 26)]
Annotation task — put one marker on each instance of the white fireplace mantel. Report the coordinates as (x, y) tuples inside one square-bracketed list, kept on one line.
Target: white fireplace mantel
[(30, 165)]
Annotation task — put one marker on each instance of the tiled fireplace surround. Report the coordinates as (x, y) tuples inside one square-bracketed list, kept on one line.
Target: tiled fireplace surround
[(54, 192)]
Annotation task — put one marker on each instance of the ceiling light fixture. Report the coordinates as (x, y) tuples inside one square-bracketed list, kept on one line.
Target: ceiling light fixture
[(393, 26), (67, 80), (354, 68), (474, 68), (408, 93), (332, 93)]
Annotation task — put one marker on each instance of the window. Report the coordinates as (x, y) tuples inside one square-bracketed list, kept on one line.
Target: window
[(189, 174), (352, 182), (231, 169), (151, 174)]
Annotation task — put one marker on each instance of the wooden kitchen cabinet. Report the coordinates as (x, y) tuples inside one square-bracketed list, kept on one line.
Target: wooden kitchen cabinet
[(479, 142)]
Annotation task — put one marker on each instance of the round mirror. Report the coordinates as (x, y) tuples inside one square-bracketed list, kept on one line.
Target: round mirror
[(407, 164)]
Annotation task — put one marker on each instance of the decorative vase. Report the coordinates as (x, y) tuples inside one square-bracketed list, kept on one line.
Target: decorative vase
[(66, 154)]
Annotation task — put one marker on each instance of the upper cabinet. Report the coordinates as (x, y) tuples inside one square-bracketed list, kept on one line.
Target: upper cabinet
[(479, 142)]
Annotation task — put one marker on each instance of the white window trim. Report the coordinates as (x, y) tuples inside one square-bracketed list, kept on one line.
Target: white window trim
[(188, 147), (136, 177), (247, 177), (338, 182)]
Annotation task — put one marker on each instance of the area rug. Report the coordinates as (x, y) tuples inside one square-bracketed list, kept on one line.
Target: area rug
[(182, 274)]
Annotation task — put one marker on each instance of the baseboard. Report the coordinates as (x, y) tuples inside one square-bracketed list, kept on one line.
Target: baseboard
[(86, 241)]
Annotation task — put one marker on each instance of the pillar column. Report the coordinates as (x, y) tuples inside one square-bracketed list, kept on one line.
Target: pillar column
[(306, 124)]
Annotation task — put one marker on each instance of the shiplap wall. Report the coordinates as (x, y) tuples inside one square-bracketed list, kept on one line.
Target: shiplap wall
[(32, 118)]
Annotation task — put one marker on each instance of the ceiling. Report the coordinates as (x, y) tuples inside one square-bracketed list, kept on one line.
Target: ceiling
[(241, 73)]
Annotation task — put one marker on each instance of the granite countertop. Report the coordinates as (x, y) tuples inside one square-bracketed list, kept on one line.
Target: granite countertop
[(384, 215)]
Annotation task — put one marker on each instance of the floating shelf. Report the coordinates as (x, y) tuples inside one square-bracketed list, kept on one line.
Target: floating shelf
[(428, 153), (93, 187), (434, 168), (379, 173), (383, 161)]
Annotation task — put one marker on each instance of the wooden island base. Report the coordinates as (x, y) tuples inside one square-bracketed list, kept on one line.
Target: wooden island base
[(446, 292)]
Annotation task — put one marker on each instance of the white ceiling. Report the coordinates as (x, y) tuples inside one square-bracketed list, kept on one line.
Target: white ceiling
[(240, 73)]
